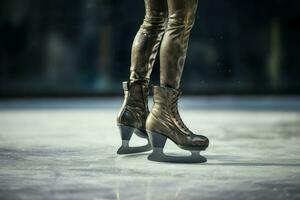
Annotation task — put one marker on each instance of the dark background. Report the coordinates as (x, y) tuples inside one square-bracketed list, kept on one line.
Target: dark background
[(82, 47)]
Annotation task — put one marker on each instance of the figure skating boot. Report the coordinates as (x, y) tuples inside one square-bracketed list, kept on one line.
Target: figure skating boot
[(132, 116), (164, 122)]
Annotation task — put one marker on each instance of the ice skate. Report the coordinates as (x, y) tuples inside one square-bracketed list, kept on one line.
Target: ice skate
[(132, 116), (164, 122)]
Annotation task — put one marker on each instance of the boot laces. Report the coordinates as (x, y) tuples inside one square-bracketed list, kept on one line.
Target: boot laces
[(176, 114)]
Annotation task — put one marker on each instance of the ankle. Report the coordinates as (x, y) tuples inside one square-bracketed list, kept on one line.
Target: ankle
[(168, 85)]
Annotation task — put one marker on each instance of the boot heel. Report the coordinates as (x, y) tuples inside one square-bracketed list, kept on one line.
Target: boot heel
[(126, 133), (157, 140)]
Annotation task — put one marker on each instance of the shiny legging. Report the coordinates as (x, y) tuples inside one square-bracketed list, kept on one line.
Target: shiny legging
[(167, 24)]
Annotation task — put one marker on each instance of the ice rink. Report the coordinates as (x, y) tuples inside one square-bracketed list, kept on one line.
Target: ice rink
[(66, 149)]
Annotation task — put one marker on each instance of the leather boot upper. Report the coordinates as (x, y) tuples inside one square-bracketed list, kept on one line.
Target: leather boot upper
[(165, 119), (134, 110)]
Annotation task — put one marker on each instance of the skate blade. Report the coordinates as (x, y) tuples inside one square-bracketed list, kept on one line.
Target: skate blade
[(126, 149), (159, 156)]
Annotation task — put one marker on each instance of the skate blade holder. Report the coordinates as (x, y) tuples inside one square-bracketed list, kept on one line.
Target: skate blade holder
[(158, 142), (126, 134)]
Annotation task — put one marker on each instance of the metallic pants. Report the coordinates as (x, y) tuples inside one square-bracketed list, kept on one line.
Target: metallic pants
[(167, 24)]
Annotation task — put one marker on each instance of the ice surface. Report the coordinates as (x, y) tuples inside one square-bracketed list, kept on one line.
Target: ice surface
[(66, 149)]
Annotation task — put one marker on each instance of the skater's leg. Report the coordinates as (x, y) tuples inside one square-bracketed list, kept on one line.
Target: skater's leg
[(164, 121), (147, 40), (175, 41), (134, 111)]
